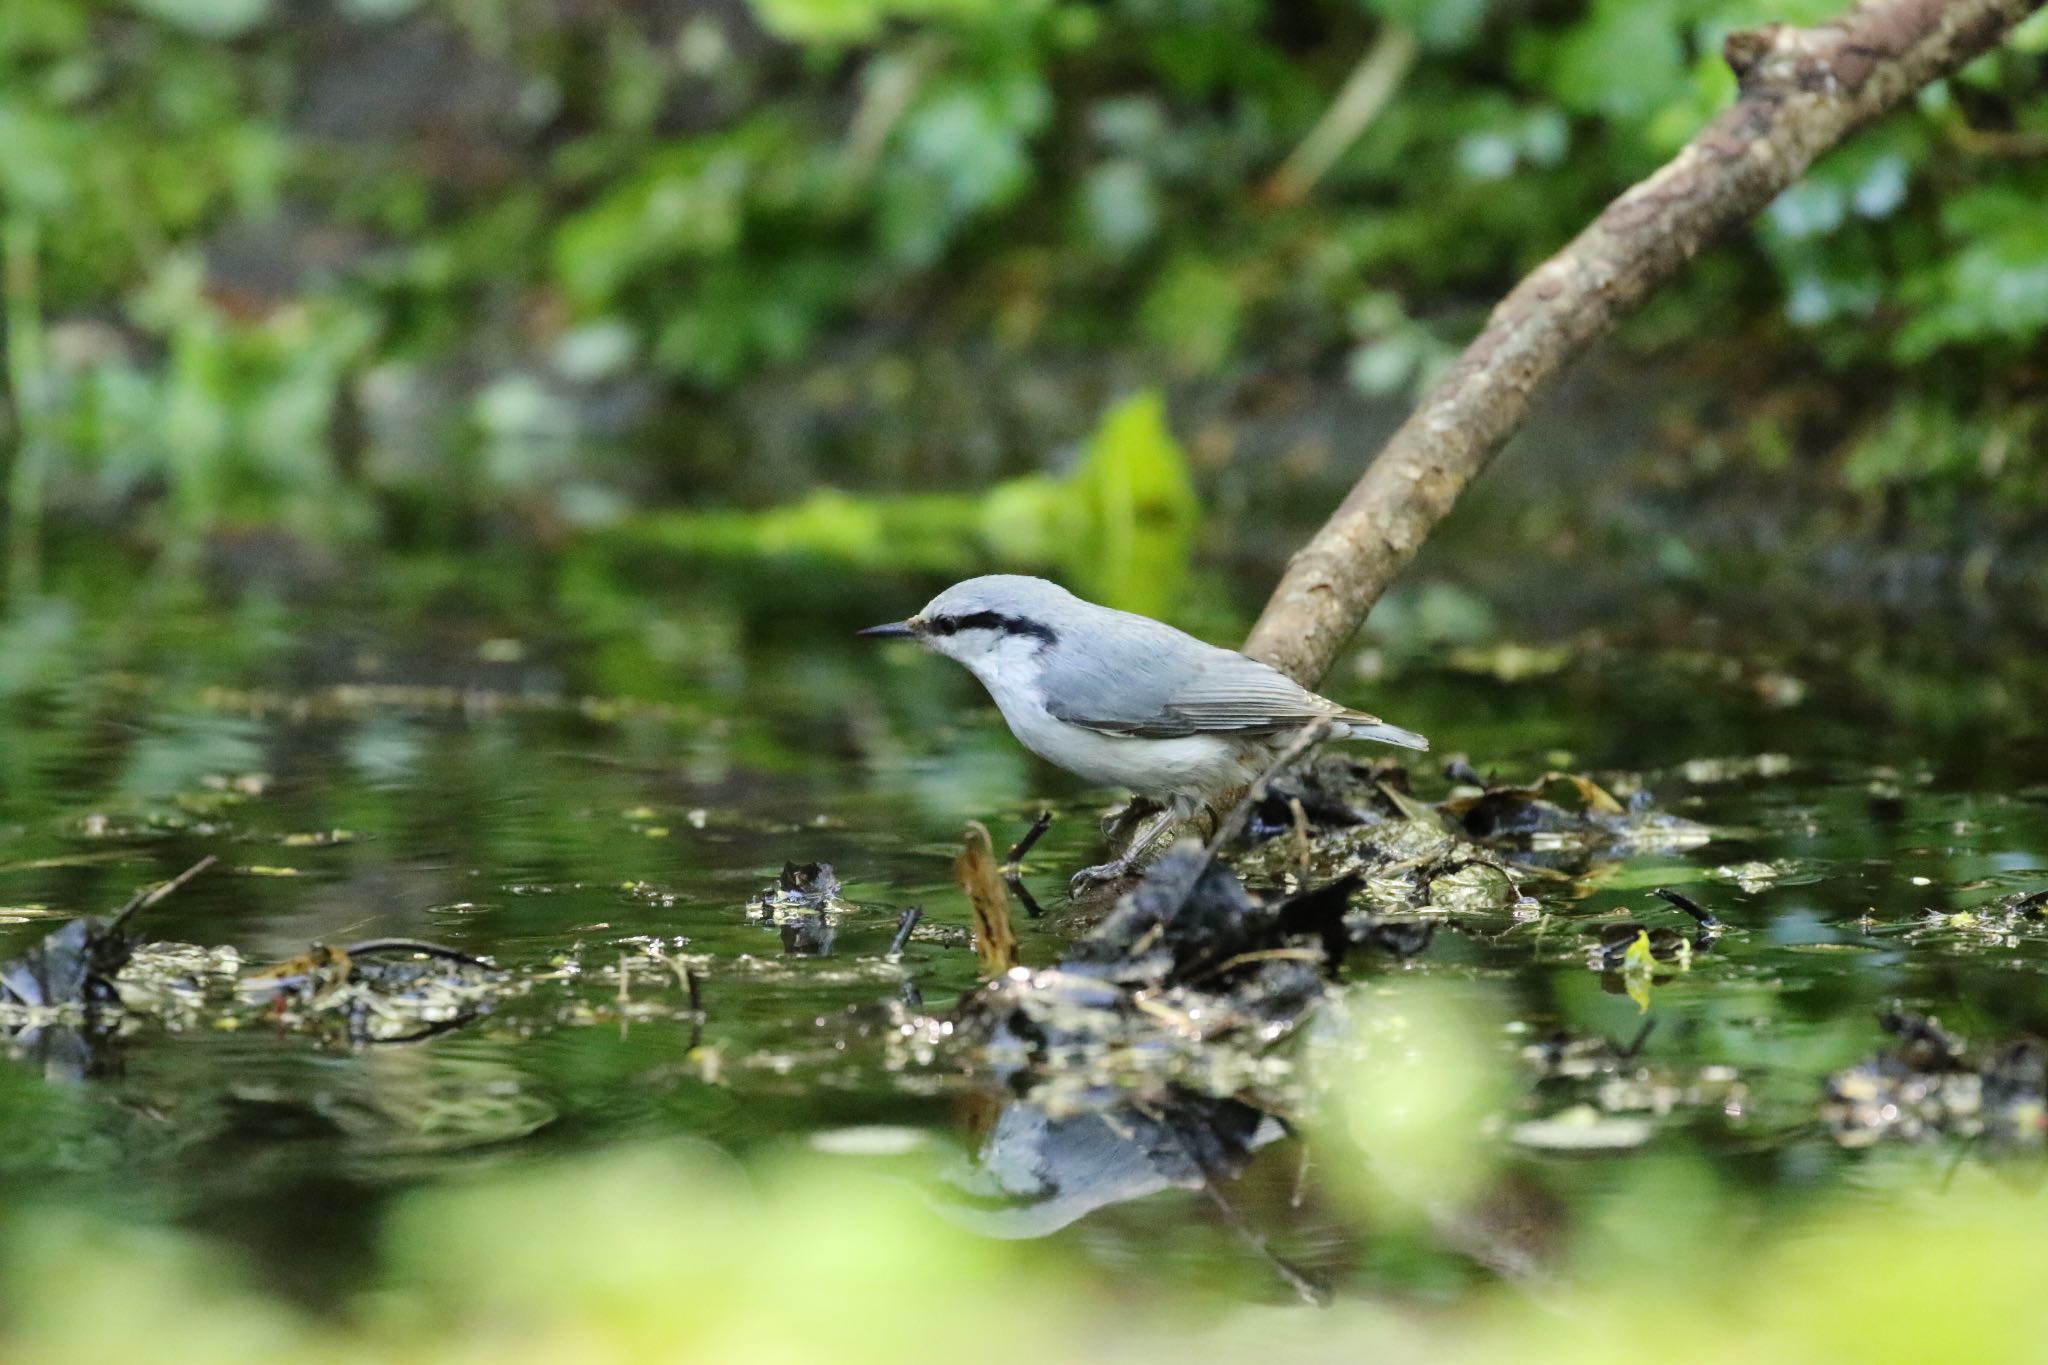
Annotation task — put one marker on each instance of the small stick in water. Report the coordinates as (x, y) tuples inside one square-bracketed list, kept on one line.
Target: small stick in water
[(150, 896), (1013, 869), (1706, 917), (903, 928), (1030, 841)]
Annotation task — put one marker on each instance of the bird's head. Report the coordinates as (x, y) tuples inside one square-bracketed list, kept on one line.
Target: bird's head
[(990, 622)]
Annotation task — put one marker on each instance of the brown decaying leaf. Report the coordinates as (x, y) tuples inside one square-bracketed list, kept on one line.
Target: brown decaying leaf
[(995, 942)]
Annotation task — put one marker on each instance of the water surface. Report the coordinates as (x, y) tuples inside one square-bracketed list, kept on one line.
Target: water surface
[(557, 799)]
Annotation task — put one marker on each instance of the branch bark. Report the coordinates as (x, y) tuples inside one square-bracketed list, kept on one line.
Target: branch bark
[(1802, 91)]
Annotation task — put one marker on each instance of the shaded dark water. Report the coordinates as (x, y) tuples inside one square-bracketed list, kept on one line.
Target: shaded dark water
[(502, 793)]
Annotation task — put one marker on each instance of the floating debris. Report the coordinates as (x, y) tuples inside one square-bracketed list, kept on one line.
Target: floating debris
[(1614, 1079), (1704, 772), (1759, 875), (1190, 981), (76, 965), (995, 941), (1930, 1085), (1471, 852), (804, 907), (801, 887), (60, 1000), (1626, 941), (379, 990), (1582, 1128)]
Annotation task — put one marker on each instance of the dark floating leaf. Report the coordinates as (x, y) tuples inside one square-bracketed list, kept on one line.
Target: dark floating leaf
[(1322, 803), (71, 966)]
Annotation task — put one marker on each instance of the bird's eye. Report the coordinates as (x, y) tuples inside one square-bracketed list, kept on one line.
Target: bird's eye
[(942, 625)]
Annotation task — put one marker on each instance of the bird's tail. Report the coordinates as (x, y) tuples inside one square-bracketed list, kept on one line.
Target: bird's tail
[(1362, 726)]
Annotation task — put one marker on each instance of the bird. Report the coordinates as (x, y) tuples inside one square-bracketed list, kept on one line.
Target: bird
[(1123, 700)]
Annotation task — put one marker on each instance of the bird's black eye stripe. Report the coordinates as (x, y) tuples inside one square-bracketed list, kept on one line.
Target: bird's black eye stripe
[(991, 620)]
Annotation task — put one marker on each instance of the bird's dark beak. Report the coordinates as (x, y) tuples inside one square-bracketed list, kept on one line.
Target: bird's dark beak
[(895, 630)]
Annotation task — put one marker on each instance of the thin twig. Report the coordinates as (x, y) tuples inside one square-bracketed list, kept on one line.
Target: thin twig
[(1023, 893), (1304, 850), (1030, 840), (685, 975), (1013, 867), (152, 896), (1365, 93), (371, 946), (1707, 919), (1233, 824), (888, 87), (903, 928)]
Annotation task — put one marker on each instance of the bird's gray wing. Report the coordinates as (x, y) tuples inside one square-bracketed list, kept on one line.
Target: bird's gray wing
[(1160, 684)]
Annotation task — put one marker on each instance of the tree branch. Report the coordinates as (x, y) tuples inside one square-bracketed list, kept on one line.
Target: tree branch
[(1801, 92)]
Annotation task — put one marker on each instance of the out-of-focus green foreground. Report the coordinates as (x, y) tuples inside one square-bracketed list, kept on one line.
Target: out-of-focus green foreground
[(673, 1252)]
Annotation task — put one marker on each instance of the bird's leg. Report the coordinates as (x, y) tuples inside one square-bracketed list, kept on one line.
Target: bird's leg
[(1133, 853)]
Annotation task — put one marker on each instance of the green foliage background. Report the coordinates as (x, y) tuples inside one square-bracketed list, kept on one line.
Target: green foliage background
[(927, 285), (413, 273)]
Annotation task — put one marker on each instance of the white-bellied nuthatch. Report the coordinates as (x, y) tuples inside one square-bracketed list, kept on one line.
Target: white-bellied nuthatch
[(1122, 699)]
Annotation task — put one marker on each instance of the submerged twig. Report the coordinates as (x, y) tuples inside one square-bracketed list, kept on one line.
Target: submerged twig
[(686, 976), (1707, 918), (1030, 840), (370, 947), (1013, 867), (1635, 1044), (903, 928)]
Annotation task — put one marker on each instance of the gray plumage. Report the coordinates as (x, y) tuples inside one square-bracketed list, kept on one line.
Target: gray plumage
[(1142, 677), (1119, 673)]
